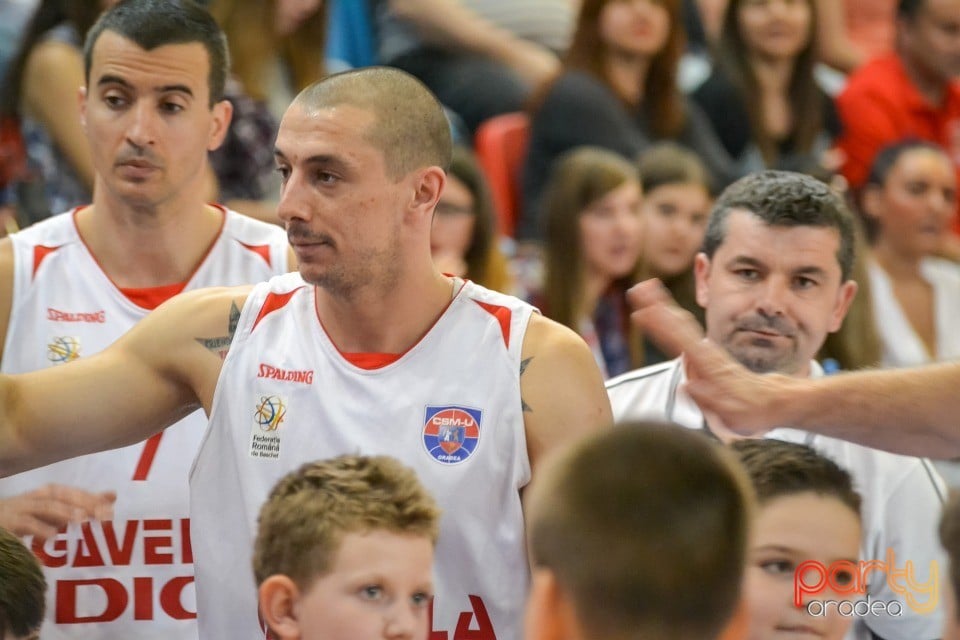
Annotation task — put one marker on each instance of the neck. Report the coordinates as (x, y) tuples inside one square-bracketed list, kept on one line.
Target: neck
[(147, 247), (594, 286), (772, 74), (930, 85), (384, 319), (897, 264), (628, 75)]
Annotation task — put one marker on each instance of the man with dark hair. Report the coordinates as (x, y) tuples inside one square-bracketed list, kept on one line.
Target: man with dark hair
[(22, 590), (618, 526), (75, 283), (913, 92), (368, 349), (774, 281)]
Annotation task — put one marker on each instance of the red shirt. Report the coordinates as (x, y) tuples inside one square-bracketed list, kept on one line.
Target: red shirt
[(880, 105)]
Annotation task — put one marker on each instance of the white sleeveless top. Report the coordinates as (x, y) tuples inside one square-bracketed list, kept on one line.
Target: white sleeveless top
[(131, 577), (449, 408)]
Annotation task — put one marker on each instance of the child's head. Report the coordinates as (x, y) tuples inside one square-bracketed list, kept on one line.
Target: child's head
[(808, 510), (344, 550), (639, 531), (22, 590)]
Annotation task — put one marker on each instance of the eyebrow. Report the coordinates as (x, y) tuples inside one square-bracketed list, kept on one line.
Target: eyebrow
[(753, 262), (322, 159), (167, 88)]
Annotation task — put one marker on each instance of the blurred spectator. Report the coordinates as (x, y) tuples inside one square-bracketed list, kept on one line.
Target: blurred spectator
[(618, 90), (463, 239), (276, 49), (676, 206), (761, 98), (480, 57), (40, 91), (592, 249), (909, 200), (913, 92)]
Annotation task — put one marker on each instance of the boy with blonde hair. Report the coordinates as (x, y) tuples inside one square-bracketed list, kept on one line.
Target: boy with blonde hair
[(344, 550)]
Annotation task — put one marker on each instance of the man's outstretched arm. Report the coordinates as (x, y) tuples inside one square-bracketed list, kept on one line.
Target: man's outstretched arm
[(908, 411), (161, 370)]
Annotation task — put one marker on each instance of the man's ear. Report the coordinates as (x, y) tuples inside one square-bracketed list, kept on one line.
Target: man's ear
[(845, 296), (278, 597), (550, 612), (220, 123), (82, 106), (428, 186), (701, 270)]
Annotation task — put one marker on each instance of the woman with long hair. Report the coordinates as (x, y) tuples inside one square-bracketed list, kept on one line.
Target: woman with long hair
[(592, 251), (676, 206), (761, 97), (617, 90)]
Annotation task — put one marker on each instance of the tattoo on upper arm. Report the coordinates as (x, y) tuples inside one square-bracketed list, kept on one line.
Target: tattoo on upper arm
[(221, 344), (523, 404)]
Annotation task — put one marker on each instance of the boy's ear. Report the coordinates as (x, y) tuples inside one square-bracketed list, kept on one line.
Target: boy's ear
[(550, 613), (278, 597)]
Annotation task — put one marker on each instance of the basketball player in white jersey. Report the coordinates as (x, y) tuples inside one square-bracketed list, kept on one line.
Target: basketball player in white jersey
[(72, 285), (773, 278), (377, 353)]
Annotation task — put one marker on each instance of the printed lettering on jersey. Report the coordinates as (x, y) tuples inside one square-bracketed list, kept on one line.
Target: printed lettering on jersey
[(74, 557), (451, 432), (285, 375), (268, 415), (62, 349), (96, 317)]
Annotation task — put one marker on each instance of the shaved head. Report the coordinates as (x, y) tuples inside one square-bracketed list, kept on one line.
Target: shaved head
[(409, 124)]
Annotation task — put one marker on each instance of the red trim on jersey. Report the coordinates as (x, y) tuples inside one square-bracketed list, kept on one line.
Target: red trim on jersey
[(146, 457), (203, 258), (39, 253), (371, 361), (152, 297), (271, 303), (262, 250), (503, 316)]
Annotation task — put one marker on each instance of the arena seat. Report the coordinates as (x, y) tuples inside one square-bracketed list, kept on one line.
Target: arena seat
[(501, 144)]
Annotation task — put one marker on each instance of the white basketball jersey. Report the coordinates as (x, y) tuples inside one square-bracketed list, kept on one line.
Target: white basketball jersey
[(449, 408), (131, 577)]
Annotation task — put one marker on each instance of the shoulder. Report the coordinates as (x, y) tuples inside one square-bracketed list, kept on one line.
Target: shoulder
[(881, 75), (578, 88), (638, 392)]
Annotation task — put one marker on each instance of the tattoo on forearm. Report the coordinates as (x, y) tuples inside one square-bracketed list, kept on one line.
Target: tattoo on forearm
[(221, 344), (523, 404)]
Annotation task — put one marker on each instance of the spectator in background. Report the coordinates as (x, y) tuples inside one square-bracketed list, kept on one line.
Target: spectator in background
[(40, 91), (618, 526), (618, 90), (592, 251), (762, 98), (909, 200), (912, 92), (463, 238), (480, 57), (22, 589), (808, 511), (676, 205), (277, 49)]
